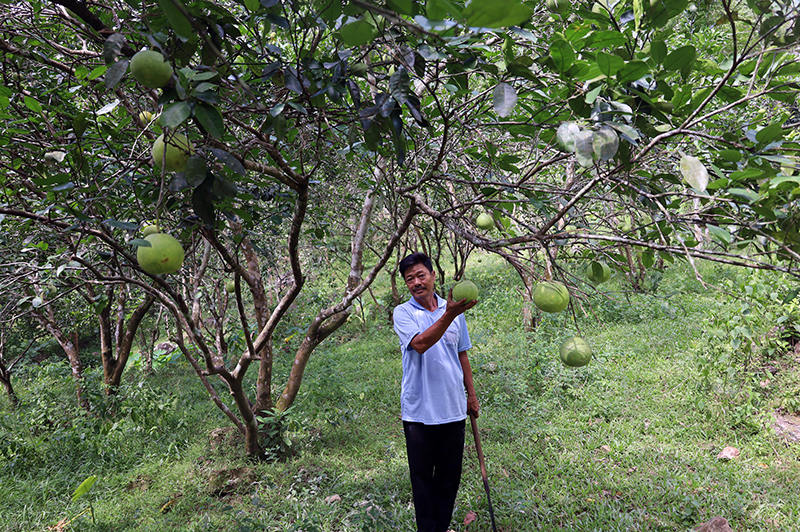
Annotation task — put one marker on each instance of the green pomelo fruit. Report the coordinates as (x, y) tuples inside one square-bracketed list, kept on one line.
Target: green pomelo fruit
[(165, 254), (484, 221), (465, 290), (551, 296), (598, 272), (145, 117), (558, 6), (148, 230), (575, 352), (179, 149), (150, 69), (230, 286), (566, 134)]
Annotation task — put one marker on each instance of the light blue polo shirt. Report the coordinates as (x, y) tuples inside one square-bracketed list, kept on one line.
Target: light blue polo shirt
[(432, 390)]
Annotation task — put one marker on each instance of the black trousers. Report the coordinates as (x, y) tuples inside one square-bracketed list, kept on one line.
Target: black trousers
[(435, 453)]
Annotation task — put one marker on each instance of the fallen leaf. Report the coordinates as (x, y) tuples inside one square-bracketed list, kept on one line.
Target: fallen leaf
[(332, 499), (605, 448), (728, 453), (470, 517)]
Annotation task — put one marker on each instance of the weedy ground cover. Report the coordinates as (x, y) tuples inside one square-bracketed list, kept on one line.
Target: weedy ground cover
[(629, 442)]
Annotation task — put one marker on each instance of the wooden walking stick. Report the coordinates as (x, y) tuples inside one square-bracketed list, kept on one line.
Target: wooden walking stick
[(484, 475)]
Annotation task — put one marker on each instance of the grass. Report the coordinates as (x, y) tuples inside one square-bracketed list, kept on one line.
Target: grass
[(629, 442)]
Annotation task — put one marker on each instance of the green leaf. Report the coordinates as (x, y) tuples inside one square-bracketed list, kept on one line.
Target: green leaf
[(626, 131), (439, 9), (229, 160), (223, 188), (682, 96), (107, 108), (770, 133), (744, 193), (195, 171), (403, 7), (182, 26), (562, 54), (609, 64), (504, 99), (694, 172), (680, 58), (112, 47), (658, 51), (638, 13), (606, 39), (632, 71), (116, 72), (33, 105), (357, 33), (175, 114), (211, 119), (80, 123), (496, 13), (140, 243), (790, 295), (330, 11), (399, 86), (719, 234), (733, 156), (777, 181), (121, 225)]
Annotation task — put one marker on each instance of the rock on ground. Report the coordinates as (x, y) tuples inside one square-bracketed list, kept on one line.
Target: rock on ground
[(787, 427)]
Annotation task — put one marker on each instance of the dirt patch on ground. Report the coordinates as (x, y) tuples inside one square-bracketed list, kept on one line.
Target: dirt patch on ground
[(224, 439), (222, 482), (139, 484), (787, 427)]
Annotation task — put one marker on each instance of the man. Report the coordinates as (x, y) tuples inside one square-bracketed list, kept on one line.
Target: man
[(436, 393)]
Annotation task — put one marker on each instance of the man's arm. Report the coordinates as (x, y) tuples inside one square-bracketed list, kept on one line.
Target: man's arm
[(424, 340), (473, 407)]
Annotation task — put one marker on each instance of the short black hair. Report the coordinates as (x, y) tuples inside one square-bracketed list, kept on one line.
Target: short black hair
[(415, 258)]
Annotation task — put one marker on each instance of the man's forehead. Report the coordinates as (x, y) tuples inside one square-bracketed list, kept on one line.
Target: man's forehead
[(416, 268)]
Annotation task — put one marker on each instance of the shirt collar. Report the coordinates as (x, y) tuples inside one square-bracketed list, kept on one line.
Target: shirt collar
[(440, 301)]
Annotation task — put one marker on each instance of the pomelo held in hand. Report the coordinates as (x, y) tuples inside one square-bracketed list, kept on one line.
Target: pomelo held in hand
[(150, 69), (465, 290), (165, 254), (551, 296), (575, 352), (179, 149), (484, 221)]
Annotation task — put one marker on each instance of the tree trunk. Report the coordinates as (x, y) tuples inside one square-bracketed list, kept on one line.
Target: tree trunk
[(5, 379), (71, 350), (5, 370), (116, 338)]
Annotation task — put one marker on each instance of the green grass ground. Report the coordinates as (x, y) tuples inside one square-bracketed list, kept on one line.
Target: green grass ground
[(627, 443)]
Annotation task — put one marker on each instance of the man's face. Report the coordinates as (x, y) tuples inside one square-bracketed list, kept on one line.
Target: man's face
[(420, 281)]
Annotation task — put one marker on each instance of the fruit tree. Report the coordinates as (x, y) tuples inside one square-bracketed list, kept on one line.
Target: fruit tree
[(623, 132)]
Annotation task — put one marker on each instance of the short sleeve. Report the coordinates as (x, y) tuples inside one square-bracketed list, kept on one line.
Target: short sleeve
[(463, 341), (405, 326)]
